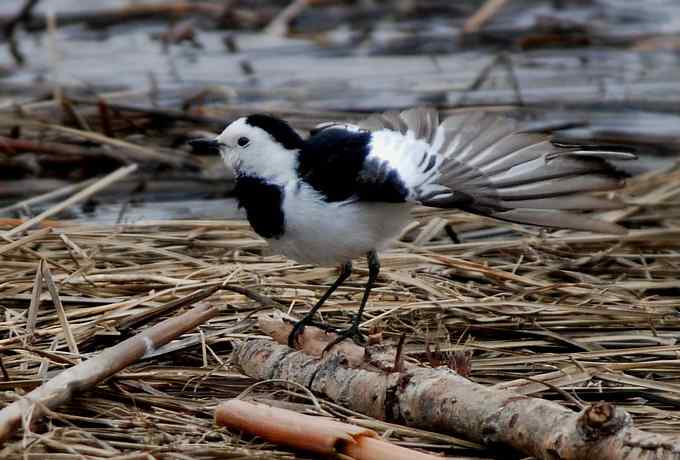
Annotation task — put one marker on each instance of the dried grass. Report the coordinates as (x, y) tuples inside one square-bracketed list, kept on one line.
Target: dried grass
[(593, 317)]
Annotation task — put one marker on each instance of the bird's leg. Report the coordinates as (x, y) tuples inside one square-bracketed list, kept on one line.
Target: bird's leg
[(345, 271), (353, 331)]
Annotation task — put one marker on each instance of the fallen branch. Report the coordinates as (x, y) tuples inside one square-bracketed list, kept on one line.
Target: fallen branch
[(91, 372), (124, 150), (441, 400), (59, 150), (319, 435), (157, 113)]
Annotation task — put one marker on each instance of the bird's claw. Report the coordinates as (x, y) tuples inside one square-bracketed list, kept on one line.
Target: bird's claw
[(298, 328), (351, 332)]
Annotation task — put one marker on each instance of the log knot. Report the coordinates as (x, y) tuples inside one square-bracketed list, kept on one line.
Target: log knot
[(601, 420)]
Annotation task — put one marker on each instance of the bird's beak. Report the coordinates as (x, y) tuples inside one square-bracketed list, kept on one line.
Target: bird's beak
[(205, 146)]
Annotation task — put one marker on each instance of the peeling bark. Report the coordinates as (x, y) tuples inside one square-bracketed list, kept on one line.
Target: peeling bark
[(439, 399)]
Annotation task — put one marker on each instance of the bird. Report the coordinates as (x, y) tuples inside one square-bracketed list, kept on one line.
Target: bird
[(346, 190)]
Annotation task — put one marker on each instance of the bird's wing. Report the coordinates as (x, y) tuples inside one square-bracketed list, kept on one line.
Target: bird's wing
[(483, 164), (336, 125)]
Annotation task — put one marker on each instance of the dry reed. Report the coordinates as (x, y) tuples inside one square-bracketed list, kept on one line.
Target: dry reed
[(560, 315)]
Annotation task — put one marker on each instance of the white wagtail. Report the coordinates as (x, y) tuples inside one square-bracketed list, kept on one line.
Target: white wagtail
[(347, 190)]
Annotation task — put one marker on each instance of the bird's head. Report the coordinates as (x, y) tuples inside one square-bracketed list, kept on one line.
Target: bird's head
[(258, 145)]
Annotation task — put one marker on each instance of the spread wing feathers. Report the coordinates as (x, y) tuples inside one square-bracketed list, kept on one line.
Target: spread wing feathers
[(482, 163)]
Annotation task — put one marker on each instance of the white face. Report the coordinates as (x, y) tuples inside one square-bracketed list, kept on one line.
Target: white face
[(251, 150)]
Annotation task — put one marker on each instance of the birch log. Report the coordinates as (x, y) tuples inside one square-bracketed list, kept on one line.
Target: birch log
[(438, 399)]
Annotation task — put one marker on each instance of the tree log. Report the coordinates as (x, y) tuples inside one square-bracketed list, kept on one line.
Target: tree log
[(439, 399)]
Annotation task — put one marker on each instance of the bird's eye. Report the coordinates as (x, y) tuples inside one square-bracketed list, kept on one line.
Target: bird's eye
[(243, 141)]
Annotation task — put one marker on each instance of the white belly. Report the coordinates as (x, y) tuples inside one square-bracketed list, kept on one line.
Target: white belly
[(322, 233)]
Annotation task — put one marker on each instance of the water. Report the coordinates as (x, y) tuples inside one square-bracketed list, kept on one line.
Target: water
[(397, 65)]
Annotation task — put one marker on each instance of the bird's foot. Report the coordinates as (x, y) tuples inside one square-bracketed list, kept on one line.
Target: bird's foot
[(351, 332), (299, 327)]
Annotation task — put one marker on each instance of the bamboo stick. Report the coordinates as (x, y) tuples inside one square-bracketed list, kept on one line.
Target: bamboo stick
[(91, 372), (319, 435)]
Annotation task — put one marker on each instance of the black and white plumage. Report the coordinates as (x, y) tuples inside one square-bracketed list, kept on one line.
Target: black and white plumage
[(347, 190)]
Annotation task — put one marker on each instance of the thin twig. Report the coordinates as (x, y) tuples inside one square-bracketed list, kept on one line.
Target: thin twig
[(54, 194), (80, 196), (32, 314), (105, 107), (259, 298), (398, 357), (559, 390), (167, 308), (488, 10), (56, 300)]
